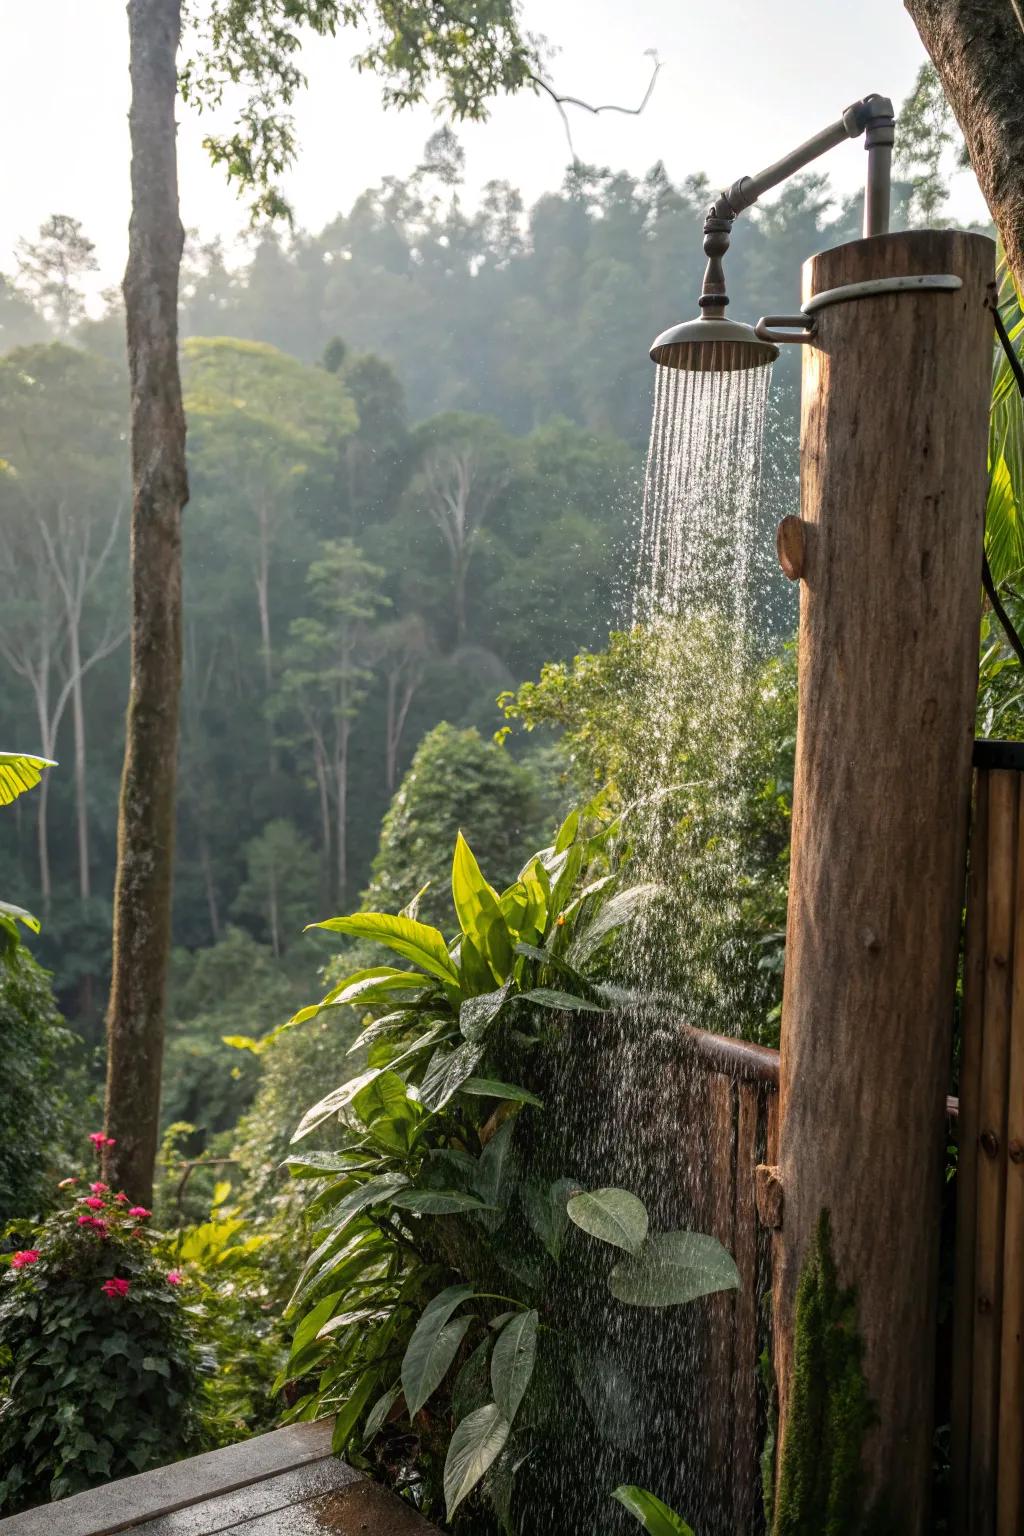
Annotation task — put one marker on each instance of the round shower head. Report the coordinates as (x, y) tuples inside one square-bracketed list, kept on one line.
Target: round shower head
[(712, 344)]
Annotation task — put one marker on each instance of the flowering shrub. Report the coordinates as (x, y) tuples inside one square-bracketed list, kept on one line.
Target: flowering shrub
[(99, 1373)]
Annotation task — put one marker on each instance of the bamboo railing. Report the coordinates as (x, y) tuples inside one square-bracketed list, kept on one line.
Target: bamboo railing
[(741, 1107), (988, 1319)]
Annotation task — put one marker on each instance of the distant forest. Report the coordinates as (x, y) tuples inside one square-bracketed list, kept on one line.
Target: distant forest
[(416, 443)]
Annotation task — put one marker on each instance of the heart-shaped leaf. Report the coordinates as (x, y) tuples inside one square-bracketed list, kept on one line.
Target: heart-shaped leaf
[(512, 1362), (613, 1215), (673, 1268), (433, 1346), (474, 1446)]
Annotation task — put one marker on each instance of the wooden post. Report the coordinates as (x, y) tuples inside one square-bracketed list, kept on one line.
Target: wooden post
[(990, 1196), (967, 1156), (893, 453), (1010, 1486)]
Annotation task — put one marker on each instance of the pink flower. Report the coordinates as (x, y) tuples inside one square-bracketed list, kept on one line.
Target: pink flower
[(121, 1197), (99, 1188), (115, 1287), (66, 1183), (93, 1202), (175, 1277), (100, 1139), (140, 1212), (25, 1256), (94, 1224)]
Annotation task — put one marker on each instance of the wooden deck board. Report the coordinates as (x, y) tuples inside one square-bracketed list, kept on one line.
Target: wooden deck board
[(285, 1483), (269, 1496)]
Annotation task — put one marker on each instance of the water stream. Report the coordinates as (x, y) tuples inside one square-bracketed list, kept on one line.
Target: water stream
[(628, 1103)]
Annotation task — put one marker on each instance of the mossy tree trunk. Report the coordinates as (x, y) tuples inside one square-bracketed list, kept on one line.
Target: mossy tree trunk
[(145, 842)]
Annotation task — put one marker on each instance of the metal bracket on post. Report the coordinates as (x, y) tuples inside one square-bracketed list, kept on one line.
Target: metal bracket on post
[(803, 326)]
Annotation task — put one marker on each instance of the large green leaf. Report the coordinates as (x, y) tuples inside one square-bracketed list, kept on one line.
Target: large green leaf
[(621, 908), (652, 1514), (477, 1014), (15, 914), (317, 1165), (377, 984), (474, 1446), (673, 1268), (512, 1362), (472, 895), (434, 1344), (613, 1215), (378, 1414), (546, 997), (546, 1212), (20, 771), (417, 942), (473, 1383), (331, 1103), (492, 1170), (490, 1088), (340, 1260), (447, 1072), (436, 1202)]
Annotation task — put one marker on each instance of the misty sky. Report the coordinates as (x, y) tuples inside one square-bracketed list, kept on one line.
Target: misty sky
[(744, 80)]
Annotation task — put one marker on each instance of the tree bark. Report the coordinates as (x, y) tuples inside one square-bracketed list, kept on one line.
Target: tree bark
[(145, 851), (81, 789), (977, 46), (893, 482)]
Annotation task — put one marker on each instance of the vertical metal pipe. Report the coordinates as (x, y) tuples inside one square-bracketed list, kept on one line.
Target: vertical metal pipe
[(877, 192)]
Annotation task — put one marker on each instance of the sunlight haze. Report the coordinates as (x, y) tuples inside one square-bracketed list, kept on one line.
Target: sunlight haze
[(716, 108)]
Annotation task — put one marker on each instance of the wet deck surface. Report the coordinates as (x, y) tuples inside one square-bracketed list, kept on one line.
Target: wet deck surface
[(283, 1484)]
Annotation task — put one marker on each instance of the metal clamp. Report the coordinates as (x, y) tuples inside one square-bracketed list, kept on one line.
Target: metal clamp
[(940, 282), (800, 327)]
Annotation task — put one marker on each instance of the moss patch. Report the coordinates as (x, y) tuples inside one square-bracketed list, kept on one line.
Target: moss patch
[(821, 1478)]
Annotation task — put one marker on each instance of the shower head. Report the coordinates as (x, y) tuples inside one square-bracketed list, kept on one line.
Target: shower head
[(712, 344)]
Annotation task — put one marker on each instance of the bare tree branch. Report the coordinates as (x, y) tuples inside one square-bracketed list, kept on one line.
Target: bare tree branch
[(561, 101)]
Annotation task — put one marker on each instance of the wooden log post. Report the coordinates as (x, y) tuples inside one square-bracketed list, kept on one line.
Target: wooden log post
[(893, 483)]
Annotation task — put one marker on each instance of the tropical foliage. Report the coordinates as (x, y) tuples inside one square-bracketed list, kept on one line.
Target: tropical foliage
[(427, 1306), (19, 771), (99, 1369)]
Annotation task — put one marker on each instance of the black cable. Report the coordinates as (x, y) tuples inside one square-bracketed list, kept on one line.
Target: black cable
[(1000, 612), (1016, 644)]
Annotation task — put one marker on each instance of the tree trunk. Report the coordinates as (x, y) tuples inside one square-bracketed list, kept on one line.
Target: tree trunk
[(893, 453), (977, 46), (145, 834), (47, 743), (81, 793), (341, 807), (206, 864)]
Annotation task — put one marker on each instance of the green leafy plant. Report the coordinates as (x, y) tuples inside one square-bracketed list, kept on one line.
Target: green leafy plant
[(99, 1370), (425, 1312), (651, 1513), (223, 1271), (19, 771)]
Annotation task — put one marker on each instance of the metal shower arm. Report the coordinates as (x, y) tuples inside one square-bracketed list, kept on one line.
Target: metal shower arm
[(872, 117)]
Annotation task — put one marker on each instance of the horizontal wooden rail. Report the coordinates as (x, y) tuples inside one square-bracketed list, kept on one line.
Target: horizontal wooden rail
[(746, 1062)]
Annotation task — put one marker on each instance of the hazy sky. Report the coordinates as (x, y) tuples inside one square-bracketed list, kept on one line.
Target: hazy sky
[(744, 80)]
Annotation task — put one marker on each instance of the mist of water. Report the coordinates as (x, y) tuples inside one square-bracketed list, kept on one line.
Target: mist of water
[(630, 1105)]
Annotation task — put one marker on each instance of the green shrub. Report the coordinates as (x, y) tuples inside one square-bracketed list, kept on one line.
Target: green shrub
[(696, 737), (41, 1105), (223, 1263), (436, 1223), (456, 782), (99, 1368)]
